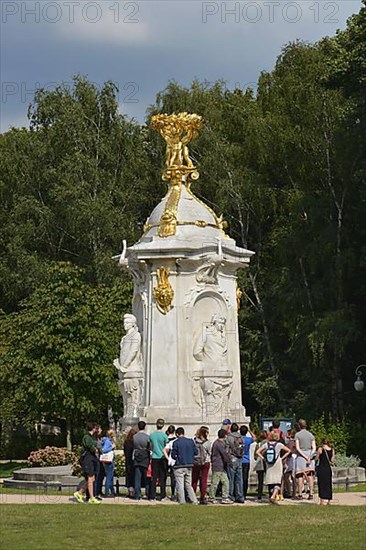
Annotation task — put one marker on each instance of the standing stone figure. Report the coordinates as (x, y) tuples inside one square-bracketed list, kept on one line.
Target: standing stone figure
[(215, 380), (130, 367)]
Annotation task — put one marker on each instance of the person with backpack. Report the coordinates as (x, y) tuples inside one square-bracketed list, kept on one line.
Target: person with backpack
[(141, 458), (235, 447), (202, 462), (270, 452), (248, 438), (220, 460)]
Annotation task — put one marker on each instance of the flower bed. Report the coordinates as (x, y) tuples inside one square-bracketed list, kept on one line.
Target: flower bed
[(50, 456)]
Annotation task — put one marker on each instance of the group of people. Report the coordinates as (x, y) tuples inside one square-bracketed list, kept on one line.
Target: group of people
[(285, 462), (288, 461)]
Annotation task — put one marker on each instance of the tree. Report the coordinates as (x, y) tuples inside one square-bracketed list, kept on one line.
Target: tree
[(58, 350), (72, 187)]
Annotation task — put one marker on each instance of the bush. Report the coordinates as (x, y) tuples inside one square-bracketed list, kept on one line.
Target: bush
[(357, 444), (50, 456), (119, 465), (338, 432), (343, 461), (76, 467)]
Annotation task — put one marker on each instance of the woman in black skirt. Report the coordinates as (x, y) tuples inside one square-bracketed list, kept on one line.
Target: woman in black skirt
[(325, 458)]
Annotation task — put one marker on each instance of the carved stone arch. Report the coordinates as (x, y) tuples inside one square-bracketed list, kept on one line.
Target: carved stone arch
[(208, 303), (195, 294), (211, 383)]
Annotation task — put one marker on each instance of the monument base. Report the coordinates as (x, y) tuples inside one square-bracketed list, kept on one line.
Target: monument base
[(189, 420)]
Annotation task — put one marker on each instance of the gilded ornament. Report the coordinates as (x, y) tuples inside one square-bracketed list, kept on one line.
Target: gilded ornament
[(147, 226), (239, 294), (177, 130), (163, 292)]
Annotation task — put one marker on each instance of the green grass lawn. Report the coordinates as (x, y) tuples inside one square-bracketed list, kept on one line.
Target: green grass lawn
[(357, 488), (41, 527), (7, 469)]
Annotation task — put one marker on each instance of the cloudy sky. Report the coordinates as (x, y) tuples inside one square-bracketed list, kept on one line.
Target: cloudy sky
[(141, 45)]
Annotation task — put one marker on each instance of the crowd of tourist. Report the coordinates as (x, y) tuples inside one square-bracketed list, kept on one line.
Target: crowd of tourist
[(286, 462)]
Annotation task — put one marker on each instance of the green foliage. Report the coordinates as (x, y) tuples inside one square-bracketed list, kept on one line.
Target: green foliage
[(8, 468), (337, 431), (70, 188), (59, 349), (286, 166)]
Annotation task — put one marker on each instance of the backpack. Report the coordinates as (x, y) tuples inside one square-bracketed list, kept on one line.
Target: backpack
[(237, 447), (281, 435), (200, 457), (270, 455)]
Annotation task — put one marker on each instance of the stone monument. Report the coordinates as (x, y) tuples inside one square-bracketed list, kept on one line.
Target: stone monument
[(180, 357)]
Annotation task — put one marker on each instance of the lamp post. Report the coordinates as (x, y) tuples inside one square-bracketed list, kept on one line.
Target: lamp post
[(359, 384)]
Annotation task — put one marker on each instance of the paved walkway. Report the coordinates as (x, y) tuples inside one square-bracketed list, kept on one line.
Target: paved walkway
[(344, 499)]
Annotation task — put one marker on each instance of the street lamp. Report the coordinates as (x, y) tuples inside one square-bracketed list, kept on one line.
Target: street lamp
[(359, 384)]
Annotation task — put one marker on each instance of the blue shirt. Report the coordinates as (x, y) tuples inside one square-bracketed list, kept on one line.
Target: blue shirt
[(247, 440), (183, 452)]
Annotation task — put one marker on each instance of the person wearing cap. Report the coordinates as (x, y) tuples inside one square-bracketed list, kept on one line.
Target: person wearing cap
[(158, 441), (226, 425)]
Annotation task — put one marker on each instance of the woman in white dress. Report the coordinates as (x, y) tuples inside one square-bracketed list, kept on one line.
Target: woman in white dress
[(274, 467)]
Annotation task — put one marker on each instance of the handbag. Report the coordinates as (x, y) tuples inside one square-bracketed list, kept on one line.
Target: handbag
[(107, 457), (317, 462)]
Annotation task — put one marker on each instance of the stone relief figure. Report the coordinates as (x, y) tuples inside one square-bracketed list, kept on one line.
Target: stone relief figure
[(215, 392), (130, 367), (212, 384), (211, 346)]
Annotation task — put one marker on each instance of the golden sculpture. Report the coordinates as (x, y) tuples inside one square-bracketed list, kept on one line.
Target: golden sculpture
[(178, 130), (163, 292)]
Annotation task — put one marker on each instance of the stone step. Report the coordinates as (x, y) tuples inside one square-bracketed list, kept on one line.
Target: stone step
[(23, 484), (52, 473)]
